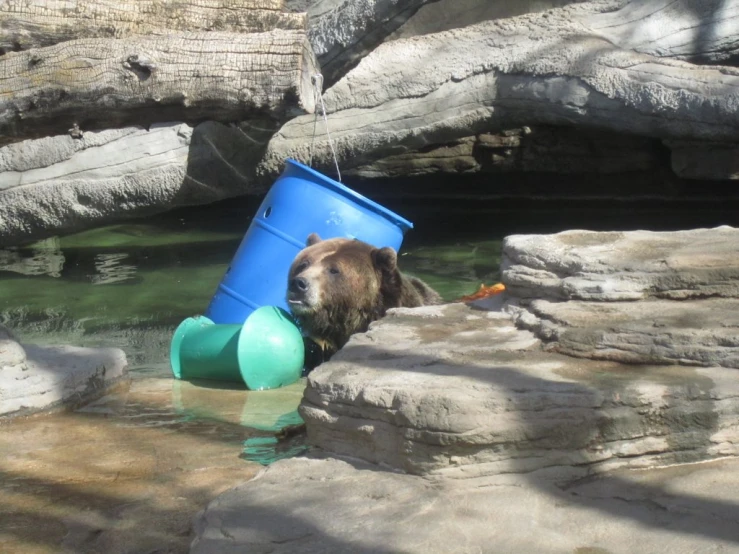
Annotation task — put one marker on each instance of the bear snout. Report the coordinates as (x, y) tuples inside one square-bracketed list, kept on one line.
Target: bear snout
[(300, 295), (298, 285)]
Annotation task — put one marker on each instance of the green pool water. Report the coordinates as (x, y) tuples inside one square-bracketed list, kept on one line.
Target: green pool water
[(151, 274), (129, 285)]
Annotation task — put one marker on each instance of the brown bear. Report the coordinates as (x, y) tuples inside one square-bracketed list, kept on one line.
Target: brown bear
[(337, 287)]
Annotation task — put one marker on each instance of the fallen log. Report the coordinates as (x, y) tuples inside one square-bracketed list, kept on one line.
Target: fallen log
[(60, 184), (39, 23), (190, 77), (702, 32), (548, 68), (343, 31)]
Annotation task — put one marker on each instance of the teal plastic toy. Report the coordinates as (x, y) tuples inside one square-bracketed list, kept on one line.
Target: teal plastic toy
[(265, 352)]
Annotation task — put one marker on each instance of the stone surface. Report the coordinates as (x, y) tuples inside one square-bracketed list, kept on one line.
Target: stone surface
[(460, 392), (443, 15), (693, 332), (633, 297), (703, 31), (38, 23), (35, 378), (336, 506), (635, 265), (122, 173)]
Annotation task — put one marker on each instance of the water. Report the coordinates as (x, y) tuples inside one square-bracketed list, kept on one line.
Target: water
[(127, 472)]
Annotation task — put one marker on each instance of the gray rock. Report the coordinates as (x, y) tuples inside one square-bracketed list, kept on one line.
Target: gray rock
[(38, 23), (334, 506), (444, 15), (35, 378), (146, 79), (457, 392), (579, 292), (634, 265), (104, 175), (692, 332)]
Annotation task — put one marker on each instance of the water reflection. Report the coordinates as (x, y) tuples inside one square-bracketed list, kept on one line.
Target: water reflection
[(206, 408), (42, 258), (110, 269), (145, 275), (267, 410)]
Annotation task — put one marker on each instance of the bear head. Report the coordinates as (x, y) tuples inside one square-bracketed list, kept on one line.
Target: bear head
[(337, 287)]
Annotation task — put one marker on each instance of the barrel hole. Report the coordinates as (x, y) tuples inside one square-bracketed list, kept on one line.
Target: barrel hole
[(267, 212)]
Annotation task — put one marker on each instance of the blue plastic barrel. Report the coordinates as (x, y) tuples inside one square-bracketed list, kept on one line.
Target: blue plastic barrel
[(300, 202)]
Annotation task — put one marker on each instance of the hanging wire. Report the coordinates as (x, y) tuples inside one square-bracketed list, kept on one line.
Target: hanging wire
[(317, 81)]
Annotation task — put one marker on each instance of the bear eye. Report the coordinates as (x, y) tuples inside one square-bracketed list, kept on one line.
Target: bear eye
[(302, 266), (334, 270)]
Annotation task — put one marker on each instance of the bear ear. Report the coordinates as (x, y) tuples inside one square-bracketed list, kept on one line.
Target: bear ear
[(385, 259), (313, 238)]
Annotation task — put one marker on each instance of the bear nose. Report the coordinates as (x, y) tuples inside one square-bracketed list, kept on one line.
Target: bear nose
[(298, 284)]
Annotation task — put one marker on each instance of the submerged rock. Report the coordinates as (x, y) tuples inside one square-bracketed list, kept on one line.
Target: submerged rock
[(35, 378)]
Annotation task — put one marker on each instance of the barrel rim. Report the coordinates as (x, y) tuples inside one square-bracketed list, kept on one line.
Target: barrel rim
[(360, 199)]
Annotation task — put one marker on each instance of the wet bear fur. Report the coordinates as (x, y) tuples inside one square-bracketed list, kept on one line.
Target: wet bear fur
[(337, 287)]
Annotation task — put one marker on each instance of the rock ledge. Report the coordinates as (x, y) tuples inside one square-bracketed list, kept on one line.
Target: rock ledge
[(35, 378)]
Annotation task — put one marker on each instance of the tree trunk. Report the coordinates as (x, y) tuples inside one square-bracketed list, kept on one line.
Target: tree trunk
[(344, 31), (39, 23), (59, 184), (704, 32), (102, 83)]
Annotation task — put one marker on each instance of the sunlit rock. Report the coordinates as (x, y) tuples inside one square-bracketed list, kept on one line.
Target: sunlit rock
[(463, 393), (35, 378)]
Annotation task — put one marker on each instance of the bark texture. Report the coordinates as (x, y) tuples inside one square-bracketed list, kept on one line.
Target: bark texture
[(706, 31), (103, 83), (38, 23), (343, 31), (62, 184), (546, 68)]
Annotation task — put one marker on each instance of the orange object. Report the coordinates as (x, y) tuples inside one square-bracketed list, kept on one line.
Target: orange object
[(484, 292)]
